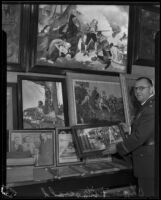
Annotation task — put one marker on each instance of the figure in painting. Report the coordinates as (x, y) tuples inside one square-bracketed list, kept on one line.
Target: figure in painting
[(45, 149), (16, 143), (28, 145), (91, 36)]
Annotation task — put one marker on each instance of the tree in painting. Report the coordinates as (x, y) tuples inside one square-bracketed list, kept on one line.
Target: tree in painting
[(48, 111)]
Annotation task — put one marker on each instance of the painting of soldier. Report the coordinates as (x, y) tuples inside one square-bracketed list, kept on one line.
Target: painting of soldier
[(93, 36), (98, 102)]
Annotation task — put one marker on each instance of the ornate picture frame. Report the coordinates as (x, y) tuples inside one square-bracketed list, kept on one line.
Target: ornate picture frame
[(60, 37), (95, 99), (66, 153), (92, 140), (42, 102), (36, 144), (147, 21)]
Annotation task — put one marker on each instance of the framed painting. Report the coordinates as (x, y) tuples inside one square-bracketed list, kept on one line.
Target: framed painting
[(147, 24), (42, 103), (11, 115), (95, 99), (35, 144), (65, 148), (92, 140), (15, 24), (88, 37)]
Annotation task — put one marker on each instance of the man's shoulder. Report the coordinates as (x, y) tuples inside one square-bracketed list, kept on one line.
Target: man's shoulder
[(151, 102), (149, 108)]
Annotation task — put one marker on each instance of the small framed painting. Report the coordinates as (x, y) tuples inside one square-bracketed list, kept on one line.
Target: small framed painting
[(66, 152), (92, 140), (36, 144)]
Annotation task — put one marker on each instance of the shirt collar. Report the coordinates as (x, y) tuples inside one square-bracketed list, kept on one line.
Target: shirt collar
[(147, 99)]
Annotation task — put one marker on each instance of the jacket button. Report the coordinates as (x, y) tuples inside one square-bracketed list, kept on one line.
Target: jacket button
[(141, 155)]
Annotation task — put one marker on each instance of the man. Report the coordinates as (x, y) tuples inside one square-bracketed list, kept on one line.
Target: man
[(16, 144), (45, 150), (140, 143), (91, 35)]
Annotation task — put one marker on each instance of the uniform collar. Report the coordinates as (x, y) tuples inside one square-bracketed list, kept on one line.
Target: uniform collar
[(151, 97)]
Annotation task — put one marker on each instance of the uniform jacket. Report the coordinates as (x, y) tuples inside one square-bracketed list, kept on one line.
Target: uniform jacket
[(142, 134)]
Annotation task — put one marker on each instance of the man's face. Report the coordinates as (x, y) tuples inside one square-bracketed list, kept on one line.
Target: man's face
[(17, 140), (43, 136), (142, 90)]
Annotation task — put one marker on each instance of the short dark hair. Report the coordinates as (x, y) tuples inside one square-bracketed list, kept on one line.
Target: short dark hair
[(146, 78)]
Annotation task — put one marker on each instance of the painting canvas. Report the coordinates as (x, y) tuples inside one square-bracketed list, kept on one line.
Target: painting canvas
[(91, 37), (42, 103), (95, 99), (66, 152), (93, 140), (36, 144), (11, 25)]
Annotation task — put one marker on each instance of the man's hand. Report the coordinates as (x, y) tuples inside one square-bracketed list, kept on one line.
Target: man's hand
[(111, 149), (126, 128)]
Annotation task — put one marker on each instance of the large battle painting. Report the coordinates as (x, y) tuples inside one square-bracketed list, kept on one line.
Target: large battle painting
[(91, 37), (98, 102)]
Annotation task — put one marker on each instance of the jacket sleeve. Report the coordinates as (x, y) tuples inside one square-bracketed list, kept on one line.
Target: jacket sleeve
[(141, 132)]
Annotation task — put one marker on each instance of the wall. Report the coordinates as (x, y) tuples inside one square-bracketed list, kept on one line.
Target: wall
[(138, 70)]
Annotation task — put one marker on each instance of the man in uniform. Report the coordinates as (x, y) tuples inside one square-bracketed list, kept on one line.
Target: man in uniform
[(140, 143)]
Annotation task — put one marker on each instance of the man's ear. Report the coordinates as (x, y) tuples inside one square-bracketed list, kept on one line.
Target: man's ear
[(152, 90)]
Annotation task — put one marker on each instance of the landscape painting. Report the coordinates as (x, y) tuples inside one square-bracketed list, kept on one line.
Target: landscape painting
[(42, 103), (93, 37)]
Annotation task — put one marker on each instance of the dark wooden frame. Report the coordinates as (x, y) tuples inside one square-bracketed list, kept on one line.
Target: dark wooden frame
[(22, 64), (137, 59), (58, 163), (49, 68), (38, 132), (80, 143), (20, 78), (13, 86)]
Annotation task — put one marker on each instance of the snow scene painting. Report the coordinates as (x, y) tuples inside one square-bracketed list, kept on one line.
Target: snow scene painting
[(93, 37)]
